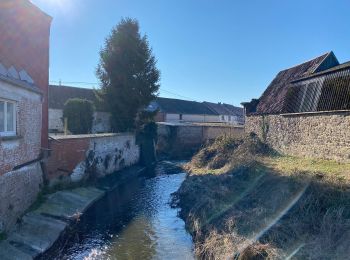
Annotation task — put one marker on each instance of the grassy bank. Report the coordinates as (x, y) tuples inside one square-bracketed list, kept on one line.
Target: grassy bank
[(242, 200)]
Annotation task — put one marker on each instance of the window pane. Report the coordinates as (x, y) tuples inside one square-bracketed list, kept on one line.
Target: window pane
[(2, 116), (10, 117)]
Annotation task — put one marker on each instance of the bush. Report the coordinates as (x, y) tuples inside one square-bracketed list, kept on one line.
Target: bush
[(79, 114)]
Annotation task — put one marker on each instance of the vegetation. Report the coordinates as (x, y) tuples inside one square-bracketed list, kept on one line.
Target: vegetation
[(128, 73), (258, 204), (79, 114), (3, 236)]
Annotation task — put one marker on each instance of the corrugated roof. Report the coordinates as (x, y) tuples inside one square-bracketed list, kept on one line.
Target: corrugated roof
[(272, 100), (178, 106), (58, 95), (342, 66), (225, 109)]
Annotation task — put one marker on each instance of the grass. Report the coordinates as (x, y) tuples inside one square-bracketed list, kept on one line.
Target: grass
[(261, 205), (289, 164)]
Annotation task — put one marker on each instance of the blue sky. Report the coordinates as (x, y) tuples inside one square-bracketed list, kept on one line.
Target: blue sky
[(219, 51)]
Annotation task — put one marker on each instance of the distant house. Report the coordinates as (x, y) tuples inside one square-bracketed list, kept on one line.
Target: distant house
[(227, 113), (177, 110), (59, 95)]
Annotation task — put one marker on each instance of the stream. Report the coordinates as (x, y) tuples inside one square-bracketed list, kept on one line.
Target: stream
[(135, 221)]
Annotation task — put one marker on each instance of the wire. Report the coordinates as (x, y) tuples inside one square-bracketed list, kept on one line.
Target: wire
[(91, 83)]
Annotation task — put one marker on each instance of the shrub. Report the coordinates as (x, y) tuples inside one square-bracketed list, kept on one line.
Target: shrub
[(79, 114)]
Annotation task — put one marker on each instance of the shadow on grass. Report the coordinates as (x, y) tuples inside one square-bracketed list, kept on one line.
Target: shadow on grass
[(256, 212)]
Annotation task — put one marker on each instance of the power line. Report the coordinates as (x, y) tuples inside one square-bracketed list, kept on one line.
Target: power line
[(91, 83)]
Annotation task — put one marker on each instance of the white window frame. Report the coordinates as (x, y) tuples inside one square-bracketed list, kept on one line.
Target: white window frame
[(9, 133)]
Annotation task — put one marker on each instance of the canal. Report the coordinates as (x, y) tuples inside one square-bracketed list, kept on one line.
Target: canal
[(135, 221)]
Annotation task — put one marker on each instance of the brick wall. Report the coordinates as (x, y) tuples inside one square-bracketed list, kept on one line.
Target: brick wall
[(25, 146), (24, 41), (65, 155), (317, 135), (71, 156)]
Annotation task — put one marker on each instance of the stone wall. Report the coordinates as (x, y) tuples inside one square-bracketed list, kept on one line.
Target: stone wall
[(182, 140), (19, 189), (316, 135), (73, 158), (26, 145)]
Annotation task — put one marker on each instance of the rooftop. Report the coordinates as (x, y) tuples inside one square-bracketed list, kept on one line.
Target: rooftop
[(273, 99)]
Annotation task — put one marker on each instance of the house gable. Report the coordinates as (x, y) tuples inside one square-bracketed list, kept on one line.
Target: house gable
[(273, 99)]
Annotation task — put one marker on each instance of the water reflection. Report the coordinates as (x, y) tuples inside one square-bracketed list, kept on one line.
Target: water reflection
[(134, 222)]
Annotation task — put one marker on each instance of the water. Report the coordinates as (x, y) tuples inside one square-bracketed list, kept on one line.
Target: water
[(133, 222)]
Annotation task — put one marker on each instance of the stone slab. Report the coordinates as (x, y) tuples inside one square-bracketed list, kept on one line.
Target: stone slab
[(69, 204), (36, 233), (9, 252)]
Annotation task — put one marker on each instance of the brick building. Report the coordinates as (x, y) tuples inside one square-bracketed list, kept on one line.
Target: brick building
[(24, 71), (24, 44)]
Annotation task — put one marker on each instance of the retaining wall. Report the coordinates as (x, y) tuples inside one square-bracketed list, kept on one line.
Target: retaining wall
[(182, 140), (75, 157), (317, 135), (18, 190)]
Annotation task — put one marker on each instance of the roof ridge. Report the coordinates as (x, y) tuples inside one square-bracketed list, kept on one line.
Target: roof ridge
[(65, 86), (325, 54)]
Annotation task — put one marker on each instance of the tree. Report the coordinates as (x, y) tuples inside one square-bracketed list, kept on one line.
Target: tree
[(79, 114), (128, 74)]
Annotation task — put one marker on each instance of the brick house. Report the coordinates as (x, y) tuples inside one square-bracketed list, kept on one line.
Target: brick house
[(24, 41), (305, 111), (24, 66)]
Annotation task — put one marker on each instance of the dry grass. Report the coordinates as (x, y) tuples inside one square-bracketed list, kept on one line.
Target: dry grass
[(289, 165), (266, 207)]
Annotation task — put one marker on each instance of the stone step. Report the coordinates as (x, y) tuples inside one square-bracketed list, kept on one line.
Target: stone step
[(9, 252), (36, 233), (69, 204)]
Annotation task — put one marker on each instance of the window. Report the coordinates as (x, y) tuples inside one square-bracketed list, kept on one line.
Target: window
[(180, 116), (229, 118), (222, 118), (7, 118)]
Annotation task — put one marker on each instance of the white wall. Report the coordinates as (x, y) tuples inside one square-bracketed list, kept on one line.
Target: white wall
[(233, 120), (101, 123), (191, 118), (55, 120)]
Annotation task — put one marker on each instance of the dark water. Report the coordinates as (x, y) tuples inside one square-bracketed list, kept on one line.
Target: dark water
[(133, 222)]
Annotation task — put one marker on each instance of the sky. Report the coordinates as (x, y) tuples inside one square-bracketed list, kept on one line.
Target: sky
[(219, 51)]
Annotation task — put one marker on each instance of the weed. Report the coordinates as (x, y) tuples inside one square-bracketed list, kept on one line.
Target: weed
[(260, 205)]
